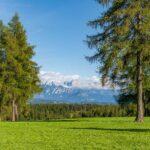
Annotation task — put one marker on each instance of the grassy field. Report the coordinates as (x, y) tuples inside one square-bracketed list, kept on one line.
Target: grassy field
[(76, 134)]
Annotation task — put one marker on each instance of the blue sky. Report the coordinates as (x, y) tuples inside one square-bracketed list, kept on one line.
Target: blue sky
[(58, 28)]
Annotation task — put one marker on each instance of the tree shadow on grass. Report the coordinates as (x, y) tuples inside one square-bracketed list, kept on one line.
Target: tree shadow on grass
[(114, 130), (64, 120), (60, 120)]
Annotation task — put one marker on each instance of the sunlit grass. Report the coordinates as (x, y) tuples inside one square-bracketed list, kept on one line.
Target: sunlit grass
[(77, 134)]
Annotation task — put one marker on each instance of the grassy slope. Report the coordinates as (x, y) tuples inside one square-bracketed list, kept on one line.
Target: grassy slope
[(77, 134)]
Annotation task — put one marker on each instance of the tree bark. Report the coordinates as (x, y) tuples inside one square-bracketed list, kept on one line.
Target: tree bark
[(13, 111), (0, 113), (16, 111), (140, 106)]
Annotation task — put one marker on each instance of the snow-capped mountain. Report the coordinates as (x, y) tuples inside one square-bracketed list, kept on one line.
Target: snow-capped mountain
[(59, 88)]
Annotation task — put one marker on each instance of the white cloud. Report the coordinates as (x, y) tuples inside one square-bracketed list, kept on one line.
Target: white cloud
[(76, 80)]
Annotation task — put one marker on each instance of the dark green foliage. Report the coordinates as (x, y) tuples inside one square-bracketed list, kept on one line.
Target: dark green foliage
[(123, 47), (28, 80), (59, 111), (19, 79), (115, 43), (129, 97), (126, 98), (45, 112)]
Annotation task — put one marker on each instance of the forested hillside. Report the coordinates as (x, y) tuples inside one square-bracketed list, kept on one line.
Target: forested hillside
[(60, 111)]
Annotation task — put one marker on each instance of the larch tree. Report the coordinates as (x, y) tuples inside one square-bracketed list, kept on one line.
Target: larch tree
[(123, 45), (20, 79), (10, 69), (28, 81)]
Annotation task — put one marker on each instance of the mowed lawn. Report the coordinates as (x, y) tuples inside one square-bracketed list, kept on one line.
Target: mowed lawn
[(76, 134)]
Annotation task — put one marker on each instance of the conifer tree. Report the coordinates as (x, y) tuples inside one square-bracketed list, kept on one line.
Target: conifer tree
[(9, 69), (19, 73), (123, 45), (28, 80)]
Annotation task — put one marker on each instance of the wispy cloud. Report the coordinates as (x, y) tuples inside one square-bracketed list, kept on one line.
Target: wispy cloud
[(76, 80)]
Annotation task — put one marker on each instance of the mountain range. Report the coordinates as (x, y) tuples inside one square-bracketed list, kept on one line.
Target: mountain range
[(59, 88)]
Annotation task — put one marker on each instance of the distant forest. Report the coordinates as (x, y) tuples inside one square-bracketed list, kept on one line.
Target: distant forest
[(46, 112)]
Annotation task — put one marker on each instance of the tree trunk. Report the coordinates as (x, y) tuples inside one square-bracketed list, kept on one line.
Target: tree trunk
[(0, 113), (13, 111), (16, 112), (140, 107)]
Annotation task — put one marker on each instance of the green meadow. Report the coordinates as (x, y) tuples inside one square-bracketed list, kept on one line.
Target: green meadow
[(76, 134)]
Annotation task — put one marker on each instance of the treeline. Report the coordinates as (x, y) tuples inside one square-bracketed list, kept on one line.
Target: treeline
[(45, 112)]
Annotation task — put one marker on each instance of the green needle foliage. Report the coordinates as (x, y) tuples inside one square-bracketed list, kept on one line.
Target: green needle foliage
[(19, 73), (123, 46)]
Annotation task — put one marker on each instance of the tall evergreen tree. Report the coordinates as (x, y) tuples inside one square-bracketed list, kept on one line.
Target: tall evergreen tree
[(19, 72), (9, 69), (28, 80), (123, 45)]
